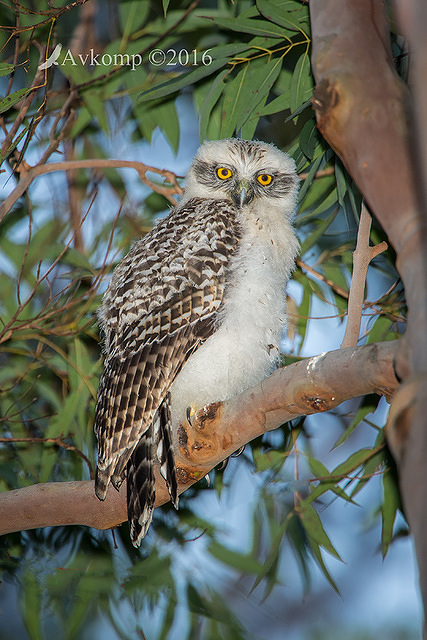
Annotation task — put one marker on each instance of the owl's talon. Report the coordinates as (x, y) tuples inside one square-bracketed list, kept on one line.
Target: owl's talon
[(238, 452), (225, 462), (188, 415)]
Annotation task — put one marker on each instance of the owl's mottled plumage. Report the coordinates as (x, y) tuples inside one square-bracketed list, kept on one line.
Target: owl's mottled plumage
[(194, 313)]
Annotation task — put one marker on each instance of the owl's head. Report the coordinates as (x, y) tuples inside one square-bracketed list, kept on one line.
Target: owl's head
[(245, 172)]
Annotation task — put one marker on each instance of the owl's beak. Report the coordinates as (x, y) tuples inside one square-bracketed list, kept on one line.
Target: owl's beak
[(243, 194)]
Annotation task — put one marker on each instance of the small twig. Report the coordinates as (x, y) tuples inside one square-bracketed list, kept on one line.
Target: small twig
[(200, 535), (51, 310), (54, 142), (362, 256), (335, 287), (53, 14), (15, 55), (6, 332), (25, 256), (74, 198), (35, 85), (58, 441), (142, 169), (96, 80), (329, 171)]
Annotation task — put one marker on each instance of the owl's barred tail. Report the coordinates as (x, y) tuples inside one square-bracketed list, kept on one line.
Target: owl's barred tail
[(140, 488), (101, 484), (165, 453)]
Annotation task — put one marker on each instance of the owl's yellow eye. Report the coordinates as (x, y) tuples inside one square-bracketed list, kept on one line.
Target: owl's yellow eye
[(223, 173), (265, 179)]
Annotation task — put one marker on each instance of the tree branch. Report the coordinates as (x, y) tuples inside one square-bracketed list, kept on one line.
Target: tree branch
[(59, 442), (306, 387), (320, 276), (29, 175), (362, 257), (36, 84)]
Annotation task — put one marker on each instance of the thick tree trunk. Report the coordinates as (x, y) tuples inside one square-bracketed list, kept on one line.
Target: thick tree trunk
[(363, 110)]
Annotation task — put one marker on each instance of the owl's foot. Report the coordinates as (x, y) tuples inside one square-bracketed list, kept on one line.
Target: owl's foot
[(189, 412), (224, 463), (238, 452)]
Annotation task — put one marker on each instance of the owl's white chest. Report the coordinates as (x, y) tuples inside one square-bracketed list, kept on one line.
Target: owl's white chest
[(245, 347)]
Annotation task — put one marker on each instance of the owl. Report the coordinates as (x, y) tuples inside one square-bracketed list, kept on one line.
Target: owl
[(194, 313)]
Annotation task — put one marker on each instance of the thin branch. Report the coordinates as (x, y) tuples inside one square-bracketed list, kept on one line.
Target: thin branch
[(29, 175), (142, 52), (306, 387), (51, 310), (15, 57), (362, 256), (35, 85), (59, 442), (329, 171), (6, 331), (53, 14), (54, 142), (335, 287), (74, 198)]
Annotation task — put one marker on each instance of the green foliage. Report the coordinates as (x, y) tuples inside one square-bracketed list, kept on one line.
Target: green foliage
[(247, 73)]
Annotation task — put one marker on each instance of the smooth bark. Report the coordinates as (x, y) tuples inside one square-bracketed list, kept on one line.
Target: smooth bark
[(309, 386), (367, 114)]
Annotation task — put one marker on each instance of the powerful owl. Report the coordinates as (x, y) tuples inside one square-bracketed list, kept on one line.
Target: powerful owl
[(194, 313)]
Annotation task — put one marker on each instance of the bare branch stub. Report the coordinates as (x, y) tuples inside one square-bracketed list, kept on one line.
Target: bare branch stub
[(362, 257), (356, 84)]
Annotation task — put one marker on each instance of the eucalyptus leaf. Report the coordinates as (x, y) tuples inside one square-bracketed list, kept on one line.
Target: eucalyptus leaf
[(234, 559), (165, 4), (314, 528), (260, 80), (182, 80), (235, 94), (8, 102), (209, 102), (285, 13), (252, 26), (5, 68), (390, 505), (301, 84)]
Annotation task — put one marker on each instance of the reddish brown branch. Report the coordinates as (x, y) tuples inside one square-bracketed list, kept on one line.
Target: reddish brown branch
[(53, 14), (320, 276), (60, 503), (306, 387), (59, 442), (29, 175)]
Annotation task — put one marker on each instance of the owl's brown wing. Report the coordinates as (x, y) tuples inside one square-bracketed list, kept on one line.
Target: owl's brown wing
[(138, 374), (160, 307)]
